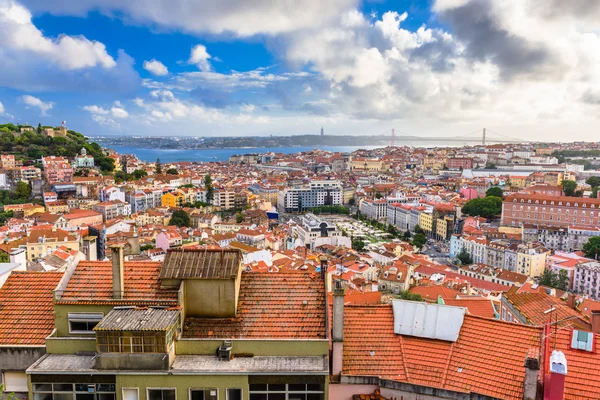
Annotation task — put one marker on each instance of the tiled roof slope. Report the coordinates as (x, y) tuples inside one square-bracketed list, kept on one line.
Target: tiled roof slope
[(270, 306), (480, 307), (488, 357), (26, 311), (201, 264), (535, 306), (91, 282)]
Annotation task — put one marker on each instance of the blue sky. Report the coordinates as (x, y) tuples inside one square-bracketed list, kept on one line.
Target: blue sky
[(424, 67)]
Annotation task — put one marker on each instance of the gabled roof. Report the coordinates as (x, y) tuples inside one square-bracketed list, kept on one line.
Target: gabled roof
[(282, 305), (535, 308), (91, 282), (26, 310), (486, 351)]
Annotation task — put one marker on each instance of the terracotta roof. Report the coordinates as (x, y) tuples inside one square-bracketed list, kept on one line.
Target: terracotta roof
[(371, 348), (270, 306), (431, 293), (534, 307), (26, 310), (91, 282), (478, 306), (201, 264)]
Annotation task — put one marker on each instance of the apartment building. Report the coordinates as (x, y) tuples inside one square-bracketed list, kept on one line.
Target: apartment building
[(318, 193), (42, 242), (141, 200), (224, 199), (586, 279), (519, 209), (374, 209), (112, 209), (142, 330), (7, 161), (456, 163), (58, 173)]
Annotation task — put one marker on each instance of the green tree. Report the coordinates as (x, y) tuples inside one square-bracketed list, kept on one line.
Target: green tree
[(209, 187), (239, 218), (406, 236), (494, 191), (419, 241), (351, 202), (158, 167), (486, 207), (568, 187), (464, 257), (548, 278), (592, 247), (5, 216), (406, 295), (593, 181), (22, 190), (180, 218), (418, 229), (358, 244), (4, 258), (562, 281), (172, 171), (139, 173), (39, 129)]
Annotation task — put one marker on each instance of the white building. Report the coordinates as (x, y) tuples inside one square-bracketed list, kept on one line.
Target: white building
[(587, 279), (314, 232), (318, 193)]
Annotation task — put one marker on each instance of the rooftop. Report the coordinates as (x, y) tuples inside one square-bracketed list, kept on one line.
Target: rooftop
[(201, 264), (26, 311), (138, 319), (91, 282), (283, 305)]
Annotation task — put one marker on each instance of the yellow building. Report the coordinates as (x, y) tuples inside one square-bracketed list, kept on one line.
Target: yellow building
[(31, 209), (173, 199), (57, 207), (426, 222), (369, 164), (518, 182), (42, 242), (531, 261)]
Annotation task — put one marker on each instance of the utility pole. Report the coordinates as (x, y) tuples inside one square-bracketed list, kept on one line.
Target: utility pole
[(483, 140)]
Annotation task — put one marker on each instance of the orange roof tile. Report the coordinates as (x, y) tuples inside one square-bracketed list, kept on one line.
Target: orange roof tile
[(270, 306), (92, 282), (371, 348), (26, 311)]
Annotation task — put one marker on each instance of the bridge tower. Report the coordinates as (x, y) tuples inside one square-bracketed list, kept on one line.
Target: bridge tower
[(393, 138), (483, 139)]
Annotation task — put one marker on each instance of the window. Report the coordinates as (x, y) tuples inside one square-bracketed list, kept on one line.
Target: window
[(161, 394), (131, 394), (290, 391), (234, 394), (84, 322), (14, 382), (70, 391), (582, 340), (203, 394)]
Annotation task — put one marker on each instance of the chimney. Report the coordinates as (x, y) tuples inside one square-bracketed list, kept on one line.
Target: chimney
[(554, 381), (532, 369), (571, 300), (117, 271), (323, 260), (337, 336), (595, 321)]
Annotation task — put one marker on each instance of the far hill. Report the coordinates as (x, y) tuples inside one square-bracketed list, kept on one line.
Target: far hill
[(31, 144)]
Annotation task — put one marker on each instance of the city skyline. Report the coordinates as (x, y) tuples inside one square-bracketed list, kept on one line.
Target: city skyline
[(439, 68)]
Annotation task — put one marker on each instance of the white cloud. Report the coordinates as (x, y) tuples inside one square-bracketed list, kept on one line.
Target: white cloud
[(155, 67), (1, 108), (106, 121), (17, 33), (118, 111), (31, 101), (240, 17), (200, 57), (94, 109)]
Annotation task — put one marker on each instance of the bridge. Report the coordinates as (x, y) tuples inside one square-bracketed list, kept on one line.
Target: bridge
[(482, 136)]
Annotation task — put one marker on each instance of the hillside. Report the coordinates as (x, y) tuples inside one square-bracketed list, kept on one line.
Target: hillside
[(31, 146)]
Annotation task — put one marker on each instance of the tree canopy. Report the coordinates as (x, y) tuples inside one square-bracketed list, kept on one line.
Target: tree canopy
[(558, 280), (593, 181), (172, 171), (569, 187), (486, 207), (592, 247), (464, 257), (180, 218), (494, 191), (419, 240)]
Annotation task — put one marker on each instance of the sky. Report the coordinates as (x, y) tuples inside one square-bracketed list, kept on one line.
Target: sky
[(523, 68)]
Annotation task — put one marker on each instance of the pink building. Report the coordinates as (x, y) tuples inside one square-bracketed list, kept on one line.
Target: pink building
[(469, 193)]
